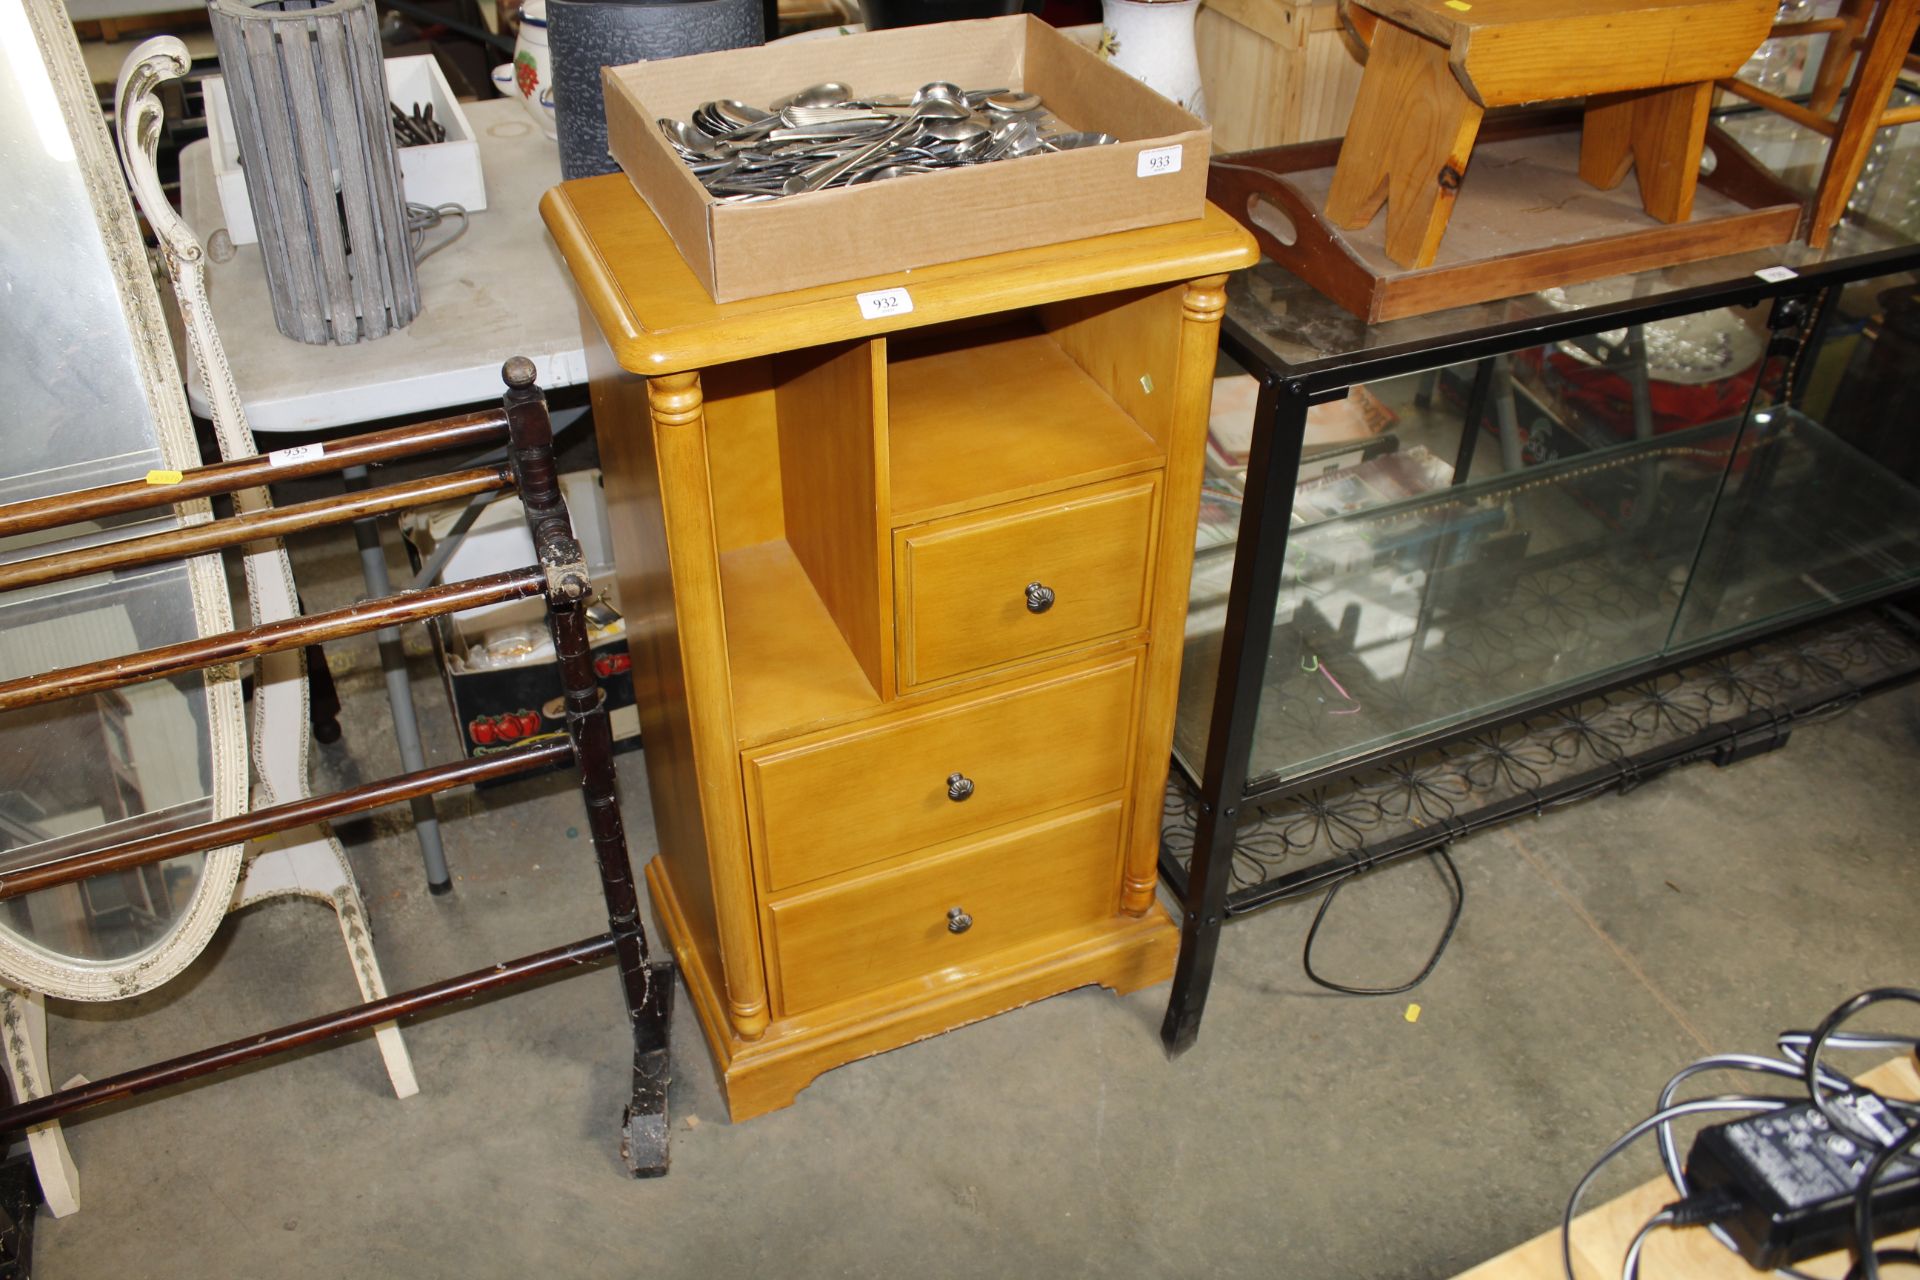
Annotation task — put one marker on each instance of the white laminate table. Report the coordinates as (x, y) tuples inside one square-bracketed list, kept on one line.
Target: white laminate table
[(500, 290)]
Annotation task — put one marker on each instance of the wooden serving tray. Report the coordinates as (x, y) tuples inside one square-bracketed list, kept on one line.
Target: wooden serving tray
[(1524, 220)]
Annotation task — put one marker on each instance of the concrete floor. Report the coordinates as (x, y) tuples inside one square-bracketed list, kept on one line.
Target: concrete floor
[(1307, 1135)]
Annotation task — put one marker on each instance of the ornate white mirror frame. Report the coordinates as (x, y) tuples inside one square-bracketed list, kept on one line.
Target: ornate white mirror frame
[(63, 121), (37, 40)]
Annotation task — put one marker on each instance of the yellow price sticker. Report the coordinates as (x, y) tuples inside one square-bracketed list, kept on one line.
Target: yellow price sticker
[(1413, 1013), (164, 477), (1461, 5)]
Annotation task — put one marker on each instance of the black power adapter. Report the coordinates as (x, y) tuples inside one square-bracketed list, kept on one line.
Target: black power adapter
[(1789, 1178)]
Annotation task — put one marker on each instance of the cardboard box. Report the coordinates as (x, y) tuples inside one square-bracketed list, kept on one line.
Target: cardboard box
[(444, 173), (500, 707), (1156, 173), (497, 660)]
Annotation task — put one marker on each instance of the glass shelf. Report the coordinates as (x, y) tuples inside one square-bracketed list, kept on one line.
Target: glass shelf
[(1615, 505)]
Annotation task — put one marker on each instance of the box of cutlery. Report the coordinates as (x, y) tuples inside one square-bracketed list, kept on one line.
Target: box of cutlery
[(811, 163)]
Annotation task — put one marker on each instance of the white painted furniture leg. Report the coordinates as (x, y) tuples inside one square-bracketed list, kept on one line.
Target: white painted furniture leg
[(308, 862), (23, 1015), (295, 864)]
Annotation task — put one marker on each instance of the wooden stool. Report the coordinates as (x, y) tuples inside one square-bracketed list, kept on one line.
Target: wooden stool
[(1889, 27), (1646, 67)]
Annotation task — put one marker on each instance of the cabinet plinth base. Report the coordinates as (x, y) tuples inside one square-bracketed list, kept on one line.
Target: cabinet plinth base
[(1123, 953)]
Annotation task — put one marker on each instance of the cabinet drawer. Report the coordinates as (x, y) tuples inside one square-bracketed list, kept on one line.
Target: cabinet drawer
[(846, 799), (963, 592), (1013, 888)]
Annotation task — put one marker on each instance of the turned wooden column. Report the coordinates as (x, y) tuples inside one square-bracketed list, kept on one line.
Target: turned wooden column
[(680, 450), (1201, 305)]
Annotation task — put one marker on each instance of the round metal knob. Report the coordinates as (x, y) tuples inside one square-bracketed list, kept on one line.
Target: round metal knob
[(958, 921), (1039, 598), (959, 787)]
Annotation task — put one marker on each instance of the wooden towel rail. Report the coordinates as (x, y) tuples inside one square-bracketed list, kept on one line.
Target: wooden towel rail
[(391, 445), (560, 577), (273, 522)]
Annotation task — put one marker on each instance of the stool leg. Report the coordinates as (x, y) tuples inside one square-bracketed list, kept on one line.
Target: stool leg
[(1412, 130), (1832, 76), (1893, 28), (1658, 132)]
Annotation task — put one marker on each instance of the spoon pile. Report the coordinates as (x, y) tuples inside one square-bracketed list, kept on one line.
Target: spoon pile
[(824, 136)]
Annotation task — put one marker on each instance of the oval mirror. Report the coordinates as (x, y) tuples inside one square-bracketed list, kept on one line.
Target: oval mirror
[(94, 397)]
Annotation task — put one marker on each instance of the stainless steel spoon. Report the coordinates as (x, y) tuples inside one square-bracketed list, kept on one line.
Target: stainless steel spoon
[(691, 138), (1075, 141), (955, 130), (829, 94), (816, 178), (1012, 103), (739, 114)]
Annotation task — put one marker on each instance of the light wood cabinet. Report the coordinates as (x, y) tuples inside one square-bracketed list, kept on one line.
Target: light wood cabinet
[(905, 602)]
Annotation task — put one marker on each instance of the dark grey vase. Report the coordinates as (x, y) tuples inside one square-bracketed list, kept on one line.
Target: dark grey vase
[(586, 35)]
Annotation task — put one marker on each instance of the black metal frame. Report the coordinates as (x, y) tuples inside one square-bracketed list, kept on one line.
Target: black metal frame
[(1802, 305)]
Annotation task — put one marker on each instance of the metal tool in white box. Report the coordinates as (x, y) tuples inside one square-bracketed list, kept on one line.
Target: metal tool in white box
[(441, 173)]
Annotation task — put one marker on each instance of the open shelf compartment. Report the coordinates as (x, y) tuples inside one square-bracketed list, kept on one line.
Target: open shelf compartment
[(818, 457), (985, 416)]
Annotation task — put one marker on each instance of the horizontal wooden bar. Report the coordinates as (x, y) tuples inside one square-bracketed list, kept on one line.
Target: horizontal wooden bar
[(298, 1035), (273, 637), (137, 826), (465, 431), (1899, 115), (74, 864), (1811, 27), (255, 526), (1783, 106)]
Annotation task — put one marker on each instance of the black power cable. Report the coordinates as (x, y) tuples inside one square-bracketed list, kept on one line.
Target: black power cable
[(1868, 1264), (1459, 896), (1824, 1032)]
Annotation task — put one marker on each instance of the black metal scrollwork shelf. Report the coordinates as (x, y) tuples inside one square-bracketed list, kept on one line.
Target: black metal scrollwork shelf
[(1724, 709), (1694, 538)]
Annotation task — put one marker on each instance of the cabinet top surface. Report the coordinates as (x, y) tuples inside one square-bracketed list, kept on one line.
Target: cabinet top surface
[(658, 318)]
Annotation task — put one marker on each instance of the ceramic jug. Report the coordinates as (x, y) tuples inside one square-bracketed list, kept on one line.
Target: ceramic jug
[(529, 76), (1152, 41)]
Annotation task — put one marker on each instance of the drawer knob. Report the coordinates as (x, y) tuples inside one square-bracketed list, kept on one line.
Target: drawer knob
[(959, 787), (1039, 598), (958, 921)]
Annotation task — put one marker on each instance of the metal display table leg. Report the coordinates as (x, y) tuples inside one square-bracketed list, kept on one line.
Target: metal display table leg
[(393, 664), (1272, 469)]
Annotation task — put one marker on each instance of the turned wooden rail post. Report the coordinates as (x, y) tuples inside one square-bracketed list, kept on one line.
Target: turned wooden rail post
[(647, 986)]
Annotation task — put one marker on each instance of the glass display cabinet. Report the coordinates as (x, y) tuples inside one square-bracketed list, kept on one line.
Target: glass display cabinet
[(1459, 568)]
